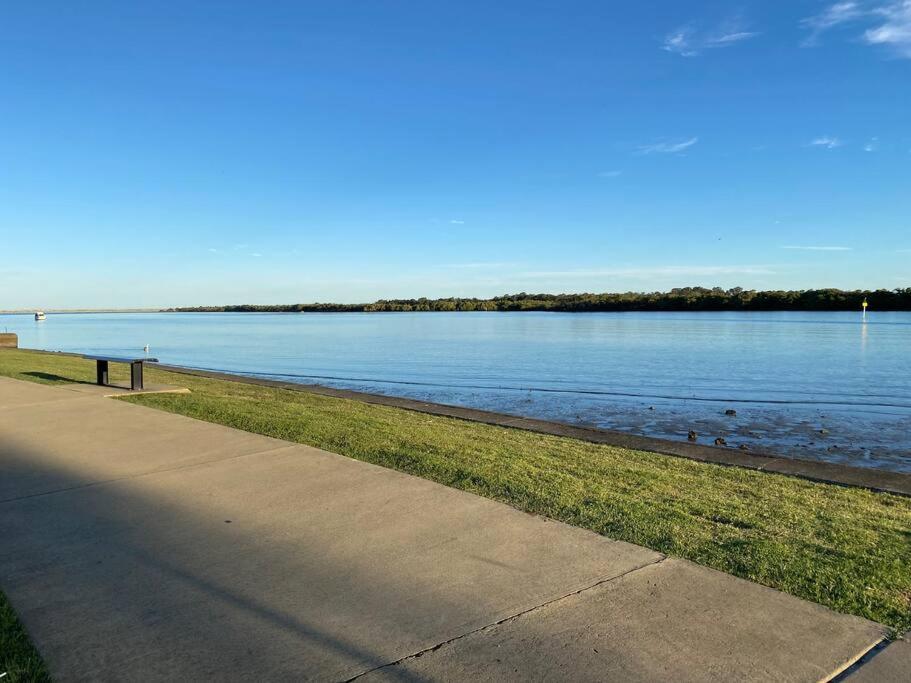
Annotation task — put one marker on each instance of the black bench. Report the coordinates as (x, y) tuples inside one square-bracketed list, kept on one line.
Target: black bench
[(101, 369)]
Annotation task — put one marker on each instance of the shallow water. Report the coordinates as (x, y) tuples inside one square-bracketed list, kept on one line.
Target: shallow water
[(805, 384)]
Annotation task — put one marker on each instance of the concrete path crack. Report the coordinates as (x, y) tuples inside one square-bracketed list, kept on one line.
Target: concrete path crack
[(504, 620)]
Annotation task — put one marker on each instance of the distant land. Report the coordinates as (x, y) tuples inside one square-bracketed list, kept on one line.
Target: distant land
[(679, 299)]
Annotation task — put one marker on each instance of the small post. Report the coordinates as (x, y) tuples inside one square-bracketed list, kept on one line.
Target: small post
[(101, 372), (136, 375)]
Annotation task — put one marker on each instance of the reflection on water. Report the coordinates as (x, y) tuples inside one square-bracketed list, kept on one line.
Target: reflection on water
[(799, 382)]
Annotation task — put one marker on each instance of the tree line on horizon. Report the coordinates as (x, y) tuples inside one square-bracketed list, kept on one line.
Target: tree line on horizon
[(678, 299)]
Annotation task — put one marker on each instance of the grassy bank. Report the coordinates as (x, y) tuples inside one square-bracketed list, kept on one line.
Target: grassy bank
[(848, 549)]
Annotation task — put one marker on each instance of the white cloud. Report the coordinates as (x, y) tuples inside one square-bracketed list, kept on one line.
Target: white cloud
[(834, 15), (826, 141), (688, 42), (680, 42), (895, 29), (668, 147), (212, 250), (256, 254), (456, 222), (892, 23), (610, 174), (872, 145), (729, 38), (817, 248)]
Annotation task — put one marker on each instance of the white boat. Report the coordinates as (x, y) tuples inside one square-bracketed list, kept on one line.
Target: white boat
[(39, 315)]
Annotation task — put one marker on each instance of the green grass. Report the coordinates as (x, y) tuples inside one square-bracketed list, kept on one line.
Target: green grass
[(18, 658), (848, 549)]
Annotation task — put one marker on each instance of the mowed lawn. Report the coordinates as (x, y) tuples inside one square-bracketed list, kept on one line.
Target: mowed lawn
[(18, 658), (846, 548)]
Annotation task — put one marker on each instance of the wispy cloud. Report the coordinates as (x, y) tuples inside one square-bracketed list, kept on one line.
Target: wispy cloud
[(815, 248), (457, 222), (826, 141), (895, 28), (610, 174), (834, 15), (731, 38), (872, 145), (686, 41), (256, 254), (680, 42), (889, 23), (668, 147), (213, 250)]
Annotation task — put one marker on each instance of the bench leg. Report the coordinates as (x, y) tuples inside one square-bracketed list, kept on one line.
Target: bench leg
[(135, 376), (101, 372)]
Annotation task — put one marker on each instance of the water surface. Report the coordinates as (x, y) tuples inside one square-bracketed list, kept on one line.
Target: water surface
[(810, 385)]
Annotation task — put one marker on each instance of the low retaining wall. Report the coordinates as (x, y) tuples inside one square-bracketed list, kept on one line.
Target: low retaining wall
[(8, 340)]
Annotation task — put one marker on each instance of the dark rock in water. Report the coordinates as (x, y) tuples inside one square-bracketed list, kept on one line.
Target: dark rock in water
[(692, 435), (823, 431), (731, 412), (651, 407), (743, 447), (720, 442)]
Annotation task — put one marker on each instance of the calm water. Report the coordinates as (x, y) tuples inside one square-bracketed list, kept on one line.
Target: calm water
[(812, 385)]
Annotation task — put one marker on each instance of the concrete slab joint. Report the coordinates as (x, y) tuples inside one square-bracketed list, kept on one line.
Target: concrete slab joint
[(512, 617)]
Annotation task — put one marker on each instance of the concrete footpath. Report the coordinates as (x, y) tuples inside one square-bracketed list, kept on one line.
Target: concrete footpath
[(140, 545)]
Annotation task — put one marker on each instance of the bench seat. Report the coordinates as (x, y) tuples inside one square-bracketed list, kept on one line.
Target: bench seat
[(101, 368)]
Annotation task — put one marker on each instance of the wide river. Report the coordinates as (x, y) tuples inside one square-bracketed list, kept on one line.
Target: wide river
[(809, 385)]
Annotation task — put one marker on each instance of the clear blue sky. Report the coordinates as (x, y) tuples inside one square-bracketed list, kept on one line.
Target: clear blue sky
[(163, 153)]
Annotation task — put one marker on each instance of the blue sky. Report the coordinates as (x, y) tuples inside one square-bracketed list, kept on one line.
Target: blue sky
[(160, 153)]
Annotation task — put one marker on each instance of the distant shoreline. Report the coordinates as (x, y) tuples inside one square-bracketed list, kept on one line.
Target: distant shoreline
[(686, 299)]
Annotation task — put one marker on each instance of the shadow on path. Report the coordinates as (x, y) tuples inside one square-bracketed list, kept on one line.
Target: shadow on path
[(288, 564)]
